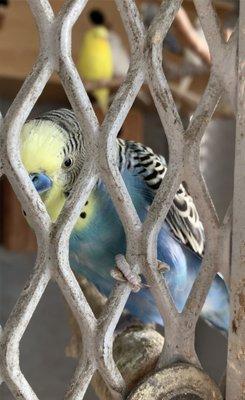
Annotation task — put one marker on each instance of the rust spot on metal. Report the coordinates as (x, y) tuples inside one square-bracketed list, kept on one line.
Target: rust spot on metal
[(234, 326), (157, 38)]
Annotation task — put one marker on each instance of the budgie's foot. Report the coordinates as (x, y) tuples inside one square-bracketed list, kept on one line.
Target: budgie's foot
[(123, 273), (162, 266)]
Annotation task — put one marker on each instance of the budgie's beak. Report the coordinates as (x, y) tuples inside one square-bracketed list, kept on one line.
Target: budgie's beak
[(41, 182)]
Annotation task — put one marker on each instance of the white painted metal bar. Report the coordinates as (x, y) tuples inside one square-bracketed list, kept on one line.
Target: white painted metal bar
[(235, 389), (100, 144)]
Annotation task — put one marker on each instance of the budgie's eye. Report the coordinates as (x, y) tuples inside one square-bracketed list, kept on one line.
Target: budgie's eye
[(68, 162)]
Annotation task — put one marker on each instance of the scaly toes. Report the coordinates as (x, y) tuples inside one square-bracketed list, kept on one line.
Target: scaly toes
[(118, 275), (162, 267), (123, 273)]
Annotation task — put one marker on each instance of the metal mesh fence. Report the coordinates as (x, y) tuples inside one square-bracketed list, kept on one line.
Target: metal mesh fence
[(100, 142)]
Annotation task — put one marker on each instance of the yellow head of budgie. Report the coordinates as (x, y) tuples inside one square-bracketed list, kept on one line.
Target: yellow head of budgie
[(41, 153), (52, 152), (95, 61)]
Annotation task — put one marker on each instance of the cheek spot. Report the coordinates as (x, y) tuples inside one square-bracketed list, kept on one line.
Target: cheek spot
[(86, 214)]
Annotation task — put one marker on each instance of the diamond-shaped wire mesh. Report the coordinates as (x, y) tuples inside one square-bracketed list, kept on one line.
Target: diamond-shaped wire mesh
[(100, 143)]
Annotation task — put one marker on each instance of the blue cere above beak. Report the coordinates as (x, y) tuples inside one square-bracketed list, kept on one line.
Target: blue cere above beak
[(41, 182)]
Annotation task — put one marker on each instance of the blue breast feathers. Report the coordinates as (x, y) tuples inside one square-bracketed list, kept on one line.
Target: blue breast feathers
[(93, 251)]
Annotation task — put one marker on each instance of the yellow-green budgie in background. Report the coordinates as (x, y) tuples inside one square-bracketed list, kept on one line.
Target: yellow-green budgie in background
[(95, 61)]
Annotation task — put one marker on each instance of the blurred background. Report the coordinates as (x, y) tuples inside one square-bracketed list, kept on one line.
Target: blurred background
[(186, 63)]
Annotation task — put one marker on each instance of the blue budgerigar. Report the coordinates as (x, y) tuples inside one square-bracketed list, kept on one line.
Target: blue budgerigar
[(52, 151)]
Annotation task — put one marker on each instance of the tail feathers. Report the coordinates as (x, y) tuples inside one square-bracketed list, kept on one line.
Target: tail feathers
[(102, 98)]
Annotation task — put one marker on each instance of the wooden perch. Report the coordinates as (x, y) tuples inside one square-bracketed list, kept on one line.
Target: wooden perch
[(113, 83), (136, 349), (173, 72), (183, 24)]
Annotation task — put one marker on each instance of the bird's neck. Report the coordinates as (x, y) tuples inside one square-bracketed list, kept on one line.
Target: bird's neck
[(54, 202)]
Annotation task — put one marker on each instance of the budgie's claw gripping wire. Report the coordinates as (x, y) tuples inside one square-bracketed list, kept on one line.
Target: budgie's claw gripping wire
[(162, 266), (123, 273)]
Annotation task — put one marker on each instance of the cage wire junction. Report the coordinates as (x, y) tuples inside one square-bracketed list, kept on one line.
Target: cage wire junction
[(227, 76)]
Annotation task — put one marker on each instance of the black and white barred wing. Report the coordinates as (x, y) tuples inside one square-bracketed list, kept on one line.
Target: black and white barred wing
[(184, 220), (182, 217)]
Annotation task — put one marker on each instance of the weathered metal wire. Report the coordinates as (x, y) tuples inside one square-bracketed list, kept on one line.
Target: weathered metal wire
[(100, 143), (235, 388)]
